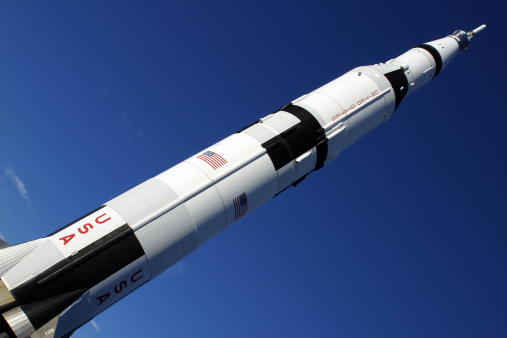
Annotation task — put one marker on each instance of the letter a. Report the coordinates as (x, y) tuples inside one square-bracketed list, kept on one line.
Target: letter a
[(102, 298), (67, 239)]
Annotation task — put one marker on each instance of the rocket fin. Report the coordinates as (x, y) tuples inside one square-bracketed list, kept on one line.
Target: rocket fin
[(7, 302), (48, 330), (3, 244), (12, 255)]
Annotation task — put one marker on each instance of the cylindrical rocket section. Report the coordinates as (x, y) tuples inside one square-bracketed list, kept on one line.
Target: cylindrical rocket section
[(88, 265)]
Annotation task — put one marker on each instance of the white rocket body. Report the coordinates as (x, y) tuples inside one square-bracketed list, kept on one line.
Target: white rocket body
[(51, 286)]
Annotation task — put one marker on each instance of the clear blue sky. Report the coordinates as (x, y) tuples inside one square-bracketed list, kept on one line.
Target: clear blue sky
[(404, 235)]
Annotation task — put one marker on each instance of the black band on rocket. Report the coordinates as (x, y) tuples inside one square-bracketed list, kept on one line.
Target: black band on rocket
[(310, 135), (436, 56), (399, 83), (298, 139)]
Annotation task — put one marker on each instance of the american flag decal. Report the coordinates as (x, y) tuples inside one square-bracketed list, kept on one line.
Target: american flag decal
[(240, 206), (213, 159)]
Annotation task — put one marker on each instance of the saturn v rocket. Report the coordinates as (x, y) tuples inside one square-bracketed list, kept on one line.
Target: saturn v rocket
[(53, 285)]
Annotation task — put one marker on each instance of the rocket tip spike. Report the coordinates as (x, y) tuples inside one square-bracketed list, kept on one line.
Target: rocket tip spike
[(477, 30)]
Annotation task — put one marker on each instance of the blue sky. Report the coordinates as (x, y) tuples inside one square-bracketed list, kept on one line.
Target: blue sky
[(404, 235)]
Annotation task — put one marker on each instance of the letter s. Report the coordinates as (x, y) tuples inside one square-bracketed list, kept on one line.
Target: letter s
[(123, 284), (86, 227)]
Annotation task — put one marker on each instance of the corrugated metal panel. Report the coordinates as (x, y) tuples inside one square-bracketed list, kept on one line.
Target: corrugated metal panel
[(166, 233), (167, 239), (201, 199), (19, 323), (44, 256), (12, 255), (143, 201)]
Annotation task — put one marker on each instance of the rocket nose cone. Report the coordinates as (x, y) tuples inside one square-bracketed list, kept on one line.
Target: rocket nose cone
[(477, 30)]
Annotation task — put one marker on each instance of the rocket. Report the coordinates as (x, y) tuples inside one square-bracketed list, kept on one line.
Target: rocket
[(51, 286)]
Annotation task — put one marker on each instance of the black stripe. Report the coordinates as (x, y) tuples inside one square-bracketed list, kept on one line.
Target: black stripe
[(8, 306), (78, 273), (39, 313), (399, 83), (278, 151), (436, 56), (309, 134), (298, 139)]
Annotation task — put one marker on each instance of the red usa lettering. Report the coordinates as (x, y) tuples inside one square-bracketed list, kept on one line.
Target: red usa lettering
[(85, 228), (120, 286)]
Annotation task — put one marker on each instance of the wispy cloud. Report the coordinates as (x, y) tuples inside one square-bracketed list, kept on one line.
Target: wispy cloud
[(176, 270), (18, 183), (131, 130), (94, 324)]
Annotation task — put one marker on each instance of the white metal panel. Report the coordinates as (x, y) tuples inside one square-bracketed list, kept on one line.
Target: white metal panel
[(366, 120), (204, 205), (305, 163), (215, 160), (349, 91), (338, 139), (324, 106), (376, 75), (281, 121), (167, 238), (286, 176), (41, 258), (236, 150), (249, 170), (430, 58), (260, 132), (12, 255), (86, 231), (352, 91), (258, 181)]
